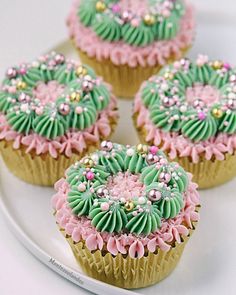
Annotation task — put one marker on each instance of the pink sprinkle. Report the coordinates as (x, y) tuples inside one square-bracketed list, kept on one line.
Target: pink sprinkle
[(177, 65), (39, 111), (90, 175), (153, 149), (116, 8), (135, 22), (22, 71), (24, 107), (82, 187), (105, 206), (168, 177), (201, 116), (227, 66), (202, 60), (166, 13), (79, 110), (12, 89), (163, 161)]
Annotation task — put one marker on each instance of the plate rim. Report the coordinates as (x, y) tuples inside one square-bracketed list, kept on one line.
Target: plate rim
[(78, 278)]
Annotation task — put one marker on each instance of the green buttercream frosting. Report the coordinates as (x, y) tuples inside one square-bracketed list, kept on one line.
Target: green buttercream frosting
[(109, 21), (138, 36), (112, 220), (20, 121), (77, 174), (171, 201), (197, 129), (87, 12), (50, 124), (106, 27), (83, 96), (134, 163), (91, 191), (80, 202), (168, 28), (165, 95), (112, 158), (144, 222)]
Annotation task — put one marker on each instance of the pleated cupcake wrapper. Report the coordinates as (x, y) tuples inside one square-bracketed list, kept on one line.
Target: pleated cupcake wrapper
[(36, 169), (209, 173), (42, 169), (206, 173), (124, 271), (124, 79)]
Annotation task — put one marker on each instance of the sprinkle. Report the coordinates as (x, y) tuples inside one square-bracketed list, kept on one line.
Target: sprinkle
[(81, 187), (142, 200), (130, 152), (201, 116), (105, 207)]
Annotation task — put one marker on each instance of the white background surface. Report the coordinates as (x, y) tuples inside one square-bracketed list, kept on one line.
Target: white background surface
[(28, 28)]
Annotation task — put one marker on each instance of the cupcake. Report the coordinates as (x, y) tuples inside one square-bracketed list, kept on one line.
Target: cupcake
[(127, 214), (126, 42), (189, 111), (52, 112)]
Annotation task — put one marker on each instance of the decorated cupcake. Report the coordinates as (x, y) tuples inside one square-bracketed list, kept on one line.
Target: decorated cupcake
[(127, 214), (52, 112), (189, 111), (126, 42)]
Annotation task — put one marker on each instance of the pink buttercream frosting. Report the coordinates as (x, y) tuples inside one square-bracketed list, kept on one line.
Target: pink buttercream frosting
[(175, 144), (207, 93), (121, 53), (81, 229), (126, 185), (47, 92), (72, 141)]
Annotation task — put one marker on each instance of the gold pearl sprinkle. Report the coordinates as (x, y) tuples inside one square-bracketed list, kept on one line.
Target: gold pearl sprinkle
[(217, 113), (129, 206), (149, 20), (81, 71), (88, 162), (168, 76), (75, 97), (21, 85), (217, 65), (142, 149), (100, 6)]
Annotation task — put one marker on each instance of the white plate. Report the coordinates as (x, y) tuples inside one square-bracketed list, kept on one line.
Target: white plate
[(209, 262)]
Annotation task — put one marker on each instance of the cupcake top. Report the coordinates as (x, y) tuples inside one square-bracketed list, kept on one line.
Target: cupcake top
[(137, 23), (188, 109), (195, 99), (55, 106), (123, 191), (51, 96), (138, 32)]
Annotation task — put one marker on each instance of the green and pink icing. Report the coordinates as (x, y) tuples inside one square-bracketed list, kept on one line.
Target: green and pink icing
[(125, 200), (55, 105), (137, 24), (190, 109), (122, 32)]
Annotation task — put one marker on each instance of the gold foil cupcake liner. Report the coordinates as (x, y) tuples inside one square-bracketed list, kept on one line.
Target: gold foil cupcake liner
[(125, 80), (42, 169), (206, 173), (124, 271), (36, 169)]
